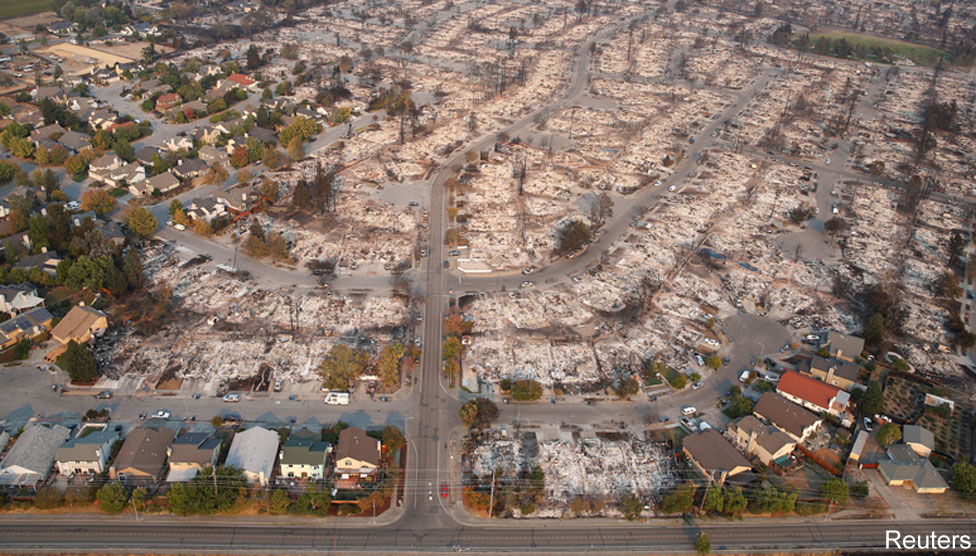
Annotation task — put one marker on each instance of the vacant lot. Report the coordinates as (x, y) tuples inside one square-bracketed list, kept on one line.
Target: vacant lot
[(17, 8), (917, 53), (80, 59)]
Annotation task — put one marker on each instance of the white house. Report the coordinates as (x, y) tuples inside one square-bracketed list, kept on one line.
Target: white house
[(253, 451)]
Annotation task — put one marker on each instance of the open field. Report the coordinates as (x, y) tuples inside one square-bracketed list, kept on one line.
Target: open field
[(81, 59), (917, 53), (18, 8)]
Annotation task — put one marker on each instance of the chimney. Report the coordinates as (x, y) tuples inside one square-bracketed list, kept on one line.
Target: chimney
[(81, 303), (830, 374), (752, 441), (43, 249)]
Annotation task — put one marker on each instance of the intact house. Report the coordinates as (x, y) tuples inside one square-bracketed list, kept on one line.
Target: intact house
[(843, 346), (168, 101), (795, 421), (254, 452), (17, 298), (238, 201), (904, 467), (30, 459), (766, 442), (357, 455), (25, 326), (303, 456), (143, 455), (837, 372), (714, 456), (176, 143), (212, 155), (190, 453), (241, 81), (919, 439), (189, 168), (163, 182), (206, 210), (128, 174), (815, 395), (100, 168), (46, 261), (145, 155), (80, 324), (74, 142), (86, 454)]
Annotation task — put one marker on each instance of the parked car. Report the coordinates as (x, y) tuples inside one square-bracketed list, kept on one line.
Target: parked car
[(104, 395), (277, 385), (179, 227), (161, 414), (232, 398), (672, 187), (697, 385), (443, 490), (744, 375), (812, 337), (867, 424), (527, 284), (688, 410)]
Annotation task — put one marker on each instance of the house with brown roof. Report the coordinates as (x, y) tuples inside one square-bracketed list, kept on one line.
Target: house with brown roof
[(166, 102), (766, 442), (714, 456), (143, 455), (79, 324), (357, 454), (798, 423)]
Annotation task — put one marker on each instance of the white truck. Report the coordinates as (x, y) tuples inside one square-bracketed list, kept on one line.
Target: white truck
[(337, 398)]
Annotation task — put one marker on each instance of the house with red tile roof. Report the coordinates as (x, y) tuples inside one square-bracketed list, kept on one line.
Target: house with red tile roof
[(242, 81), (815, 395)]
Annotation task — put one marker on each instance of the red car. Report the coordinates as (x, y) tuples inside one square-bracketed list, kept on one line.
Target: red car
[(443, 490)]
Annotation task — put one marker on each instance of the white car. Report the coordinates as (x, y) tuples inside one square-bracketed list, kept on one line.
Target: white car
[(812, 337), (697, 385), (232, 398), (73, 205), (688, 410), (179, 227), (527, 284), (658, 183), (161, 414), (827, 161), (672, 187)]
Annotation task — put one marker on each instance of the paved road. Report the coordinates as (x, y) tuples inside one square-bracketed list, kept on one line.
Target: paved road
[(54, 534)]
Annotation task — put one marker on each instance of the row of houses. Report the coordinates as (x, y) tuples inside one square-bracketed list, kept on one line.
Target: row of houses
[(154, 453), (791, 416)]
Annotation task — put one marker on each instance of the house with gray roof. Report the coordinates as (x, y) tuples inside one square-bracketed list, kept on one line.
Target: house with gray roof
[(254, 452), (30, 459), (303, 456), (714, 457), (919, 439), (47, 261), (86, 454), (904, 467), (190, 453), (843, 346), (766, 442), (16, 298)]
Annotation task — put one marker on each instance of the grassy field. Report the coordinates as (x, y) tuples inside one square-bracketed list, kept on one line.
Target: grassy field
[(917, 53), (18, 8)]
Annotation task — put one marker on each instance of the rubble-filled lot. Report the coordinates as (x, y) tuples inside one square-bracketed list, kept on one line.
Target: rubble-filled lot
[(224, 329), (576, 464)]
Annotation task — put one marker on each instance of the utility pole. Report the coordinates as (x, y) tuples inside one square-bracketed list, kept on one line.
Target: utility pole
[(134, 507), (213, 473), (491, 498)]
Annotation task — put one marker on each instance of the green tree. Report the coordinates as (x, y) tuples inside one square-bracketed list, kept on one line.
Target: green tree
[(526, 390), (714, 362), (835, 490), (142, 223), (964, 477), (296, 150), (78, 362), (315, 503), (49, 497), (112, 498), (702, 544), (679, 381), (280, 501), (679, 500), (388, 364), (478, 413), (392, 438), (98, 200), (872, 401), (341, 365), (874, 329), (175, 206), (571, 237), (888, 433), (626, 387), (631, 506)]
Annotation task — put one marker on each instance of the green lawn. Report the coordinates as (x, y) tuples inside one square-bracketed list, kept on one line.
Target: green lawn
[(917, 53), (18, 8)]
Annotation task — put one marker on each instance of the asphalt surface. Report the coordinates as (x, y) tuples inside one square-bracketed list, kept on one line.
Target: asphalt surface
[(70, 534)]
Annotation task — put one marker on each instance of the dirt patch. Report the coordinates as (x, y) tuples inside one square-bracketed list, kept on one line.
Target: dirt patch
[(168, 380), (132, 50), (81, 59)]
